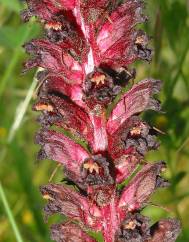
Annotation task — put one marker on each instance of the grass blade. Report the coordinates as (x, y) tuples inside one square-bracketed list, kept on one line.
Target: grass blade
[(25, 176), (10, 215), (22, 108)]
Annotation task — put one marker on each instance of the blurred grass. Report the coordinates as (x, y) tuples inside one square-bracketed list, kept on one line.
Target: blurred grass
[(9, 214), (21, 175)]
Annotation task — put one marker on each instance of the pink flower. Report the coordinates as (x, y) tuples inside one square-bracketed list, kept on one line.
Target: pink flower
[(86, 53), (113, 213), (86, 36)]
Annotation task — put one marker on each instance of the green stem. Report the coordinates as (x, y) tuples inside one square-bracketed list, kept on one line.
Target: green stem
[(10, 215)]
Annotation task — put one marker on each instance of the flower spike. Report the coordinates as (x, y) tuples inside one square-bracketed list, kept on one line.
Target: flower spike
[(86, 55)]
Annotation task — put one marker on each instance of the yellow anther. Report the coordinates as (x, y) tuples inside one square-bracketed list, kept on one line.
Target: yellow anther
[(92, 167), (53, 25), (135, 131), (139, 40), (131, 225), (44, 107), (99, 79), (47, 197)]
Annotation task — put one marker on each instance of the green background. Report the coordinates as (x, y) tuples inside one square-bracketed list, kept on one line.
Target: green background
[(21, 174)]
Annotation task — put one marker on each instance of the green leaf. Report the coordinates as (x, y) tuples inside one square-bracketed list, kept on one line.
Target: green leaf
[(174, 17), (177, 199), (98, 236), (13, 5), (178, 178), (11, 39), (29, 31)]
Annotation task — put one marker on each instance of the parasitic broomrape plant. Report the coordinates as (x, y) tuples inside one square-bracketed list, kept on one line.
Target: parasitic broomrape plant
[(86, 55)]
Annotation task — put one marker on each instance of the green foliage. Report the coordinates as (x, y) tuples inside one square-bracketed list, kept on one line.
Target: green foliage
[(13, 5), (20, 175)]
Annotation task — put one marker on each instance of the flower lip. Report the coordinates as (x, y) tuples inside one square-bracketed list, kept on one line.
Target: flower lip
[(100, 88), (101, 194), (135, 227), (91, 167), (96, 171)]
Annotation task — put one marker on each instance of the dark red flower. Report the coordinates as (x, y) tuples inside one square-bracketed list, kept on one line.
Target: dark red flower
[(69, 232), (106, 210), (86, 53)]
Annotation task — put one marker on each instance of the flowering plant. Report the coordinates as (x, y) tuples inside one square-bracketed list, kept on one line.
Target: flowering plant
[(86, 53)]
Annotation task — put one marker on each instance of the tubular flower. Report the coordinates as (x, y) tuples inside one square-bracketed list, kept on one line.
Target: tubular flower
[(85, 55)]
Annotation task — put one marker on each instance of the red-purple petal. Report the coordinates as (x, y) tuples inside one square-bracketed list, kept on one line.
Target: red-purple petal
[(64, 113), (124, 166), (100, 139), (117, 39), (135, 101), (66, 201), (166, 230), (62, 149), (69, 232), (54, 58), (141, 187), (111, 220), (47, 9), (59, 85)]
